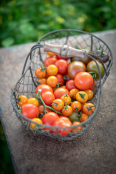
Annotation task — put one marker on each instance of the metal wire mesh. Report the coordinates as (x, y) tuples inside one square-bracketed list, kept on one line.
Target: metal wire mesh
[(27, 84)]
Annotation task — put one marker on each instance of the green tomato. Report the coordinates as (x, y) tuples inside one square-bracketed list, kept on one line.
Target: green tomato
[(74, 117)]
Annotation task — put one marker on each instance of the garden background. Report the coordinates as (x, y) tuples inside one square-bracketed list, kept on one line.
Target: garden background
[(25, 21)]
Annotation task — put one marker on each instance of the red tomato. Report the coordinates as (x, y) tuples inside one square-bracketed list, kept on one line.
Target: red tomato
[(62, 123), (70, 84), (83, 80), (58, 56), (43, 88), (62, 66), (30, 111), (60, 79), (41, 109), (48, 97), (59, 92), (49, 61)]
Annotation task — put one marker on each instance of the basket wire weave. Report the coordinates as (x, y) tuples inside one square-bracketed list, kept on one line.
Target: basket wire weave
[(27, 84)]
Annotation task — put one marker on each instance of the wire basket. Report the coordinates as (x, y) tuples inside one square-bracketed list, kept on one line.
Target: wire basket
[(27, 83)]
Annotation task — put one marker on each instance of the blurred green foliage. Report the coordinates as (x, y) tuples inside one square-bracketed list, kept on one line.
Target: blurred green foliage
[(24, 21)]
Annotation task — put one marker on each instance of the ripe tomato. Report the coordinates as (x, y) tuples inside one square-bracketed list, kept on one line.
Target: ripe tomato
[(59, 92), (49, 118), (75, 67), (33, 101), (60, 79), (66, 99), (48, 97), (30, 111), (51, 54), (58, 56), (73, 93), (58, 104), (42, 81), (49, 61), (90, 93), (70, 84), (66, 119), (22, 99), (52, 81), (40, 72), (33, 126), (82, 96), (41, 109), (83, 80), (62, 123), (77, 129), (76, 106), (52, 70), (88, 108), (67, 110), (43, 88), (84, 117), (62, 66)]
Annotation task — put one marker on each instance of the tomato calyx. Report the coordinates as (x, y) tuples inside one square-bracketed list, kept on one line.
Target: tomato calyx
[(42, 68), (55, 104), (82, 96), (65, 107), (76, 110), (18, 99), (93, 75), (90, 108)]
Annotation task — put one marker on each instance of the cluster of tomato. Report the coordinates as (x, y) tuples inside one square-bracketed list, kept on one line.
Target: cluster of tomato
[(62, 96)]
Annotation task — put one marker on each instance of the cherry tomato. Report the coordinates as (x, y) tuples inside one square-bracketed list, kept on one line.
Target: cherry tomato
[(30, 111), (66, 99), (33, 126), (33, 101), (49, 61), (77, 129), (41, 109), (60, 79), (22, 99), (62, 66), (48, 97), (51, 54), (76, 106), (82, 96), (58, 104), (40, 72), (52, 81), (49, 118), (73, 93), (59, 92), (42, 81), (62, 123), (66, 119), (88, 108), (52, 70), (70, 84), (90, 93), (92, 67), (43, 88), (75, 67), (75, 116), (67, 110), (83, 80), (84, 117)]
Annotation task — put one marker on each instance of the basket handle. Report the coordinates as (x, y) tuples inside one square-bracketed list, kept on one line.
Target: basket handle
[(29, 55)]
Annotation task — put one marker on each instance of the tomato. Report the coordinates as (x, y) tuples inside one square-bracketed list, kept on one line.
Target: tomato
[(42, 81), (90, 93), (70, 84), (48, 97), (43, 88), (52, 70), (51, 54), (33, 126), (92, 67), (49, 61), (74, 116), (73, 93), (88, 108), (62, 66), (92, 86), (67, 110), (22, 99), (52, 81), (33, 101), (83, 80), (66, 119), (41, 109), (62, 123), (82, 96), (60, 79), (30, 111), (84, 117), (40, 72), (59, 92), (75, 67), (58, 56), (77, 129), (66, 99), (76, 106), (58, 104), (49, 118)]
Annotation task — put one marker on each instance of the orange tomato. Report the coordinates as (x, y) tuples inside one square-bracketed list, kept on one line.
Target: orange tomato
[(51, 54), (40, 72), (42, 81), (84, 117), (66, 99), (52, 81), (33, 126), (77, 129), (82, 96), (52, 70), (58, 104), (76, 106), (67, 110), (33, 101), (73, 93), (22, 99), (88, 108), (90, 93), (41, 109)]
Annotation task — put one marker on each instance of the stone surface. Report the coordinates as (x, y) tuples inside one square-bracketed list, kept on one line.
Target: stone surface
[(93, 152)]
